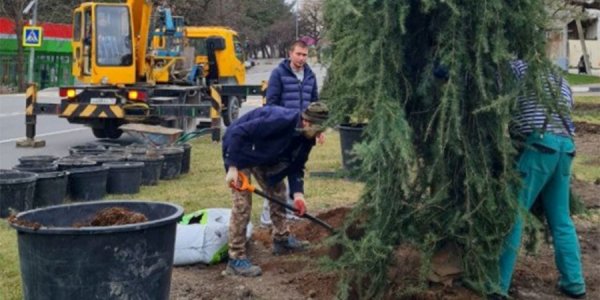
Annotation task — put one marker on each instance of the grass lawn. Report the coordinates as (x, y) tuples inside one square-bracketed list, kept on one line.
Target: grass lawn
[(577, 79), (204, 187), (587, 109)]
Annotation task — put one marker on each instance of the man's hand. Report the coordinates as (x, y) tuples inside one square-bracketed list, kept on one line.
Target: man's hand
[(299, 204), (321, 138), (231, 179)]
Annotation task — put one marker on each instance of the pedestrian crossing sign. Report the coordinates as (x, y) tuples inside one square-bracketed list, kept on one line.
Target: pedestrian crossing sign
[(32, 36)]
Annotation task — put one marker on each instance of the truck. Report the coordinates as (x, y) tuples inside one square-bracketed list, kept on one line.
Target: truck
[(137, 63)]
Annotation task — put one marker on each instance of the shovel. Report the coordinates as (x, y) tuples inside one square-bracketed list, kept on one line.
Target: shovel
[(246, 186)]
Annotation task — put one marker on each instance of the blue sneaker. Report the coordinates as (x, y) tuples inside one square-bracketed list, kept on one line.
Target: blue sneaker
[(242, 267), (289, 245)]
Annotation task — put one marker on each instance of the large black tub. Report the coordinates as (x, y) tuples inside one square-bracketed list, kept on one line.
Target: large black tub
[(61, 260)]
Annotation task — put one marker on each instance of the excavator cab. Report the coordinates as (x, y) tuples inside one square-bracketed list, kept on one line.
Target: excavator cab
[(103, 45)]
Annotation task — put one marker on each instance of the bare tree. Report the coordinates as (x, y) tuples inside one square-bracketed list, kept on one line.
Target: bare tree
[(311, 19)]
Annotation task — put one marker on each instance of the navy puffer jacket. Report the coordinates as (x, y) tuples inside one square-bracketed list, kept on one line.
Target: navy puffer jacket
[(285, 89)]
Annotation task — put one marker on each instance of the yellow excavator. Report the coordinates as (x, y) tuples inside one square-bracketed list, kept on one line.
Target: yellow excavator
[(137, 63)]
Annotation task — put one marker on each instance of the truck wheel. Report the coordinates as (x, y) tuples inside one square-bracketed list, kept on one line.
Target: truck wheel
[(232, 112), (110, 129), (99, 133), (113, 131)]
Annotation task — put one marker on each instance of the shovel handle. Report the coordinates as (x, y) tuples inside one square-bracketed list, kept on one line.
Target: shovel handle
[(246, 186)]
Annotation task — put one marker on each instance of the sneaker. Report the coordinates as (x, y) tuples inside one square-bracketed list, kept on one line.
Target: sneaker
[(242, 267), (289, 245), (571, 294)]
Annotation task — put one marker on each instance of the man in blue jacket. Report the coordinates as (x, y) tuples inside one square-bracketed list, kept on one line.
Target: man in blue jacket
[(271, 143), (293, 84)]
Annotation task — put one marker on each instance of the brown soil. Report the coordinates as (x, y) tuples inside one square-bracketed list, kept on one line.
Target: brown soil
[(112, 216), (298, 276), (33, 225)]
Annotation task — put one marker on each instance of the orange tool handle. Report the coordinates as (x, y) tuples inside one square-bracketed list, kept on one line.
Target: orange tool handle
[(244, 184)]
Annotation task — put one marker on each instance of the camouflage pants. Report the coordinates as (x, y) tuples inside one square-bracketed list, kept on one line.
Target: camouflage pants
[(242, 208)]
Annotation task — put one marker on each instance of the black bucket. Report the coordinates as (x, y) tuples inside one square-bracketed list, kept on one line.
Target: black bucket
[(106, 158), (118, 150), (34, 160), (50, 189), (61, 260), (152, 167), (87, 149), (124, 177), (89, 183), (37, 168), (187, 158), (68, 163), (137, 149), (171, 167), (350, 134), (17, 190)]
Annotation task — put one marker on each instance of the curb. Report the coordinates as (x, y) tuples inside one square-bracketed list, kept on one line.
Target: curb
[(586, 89)]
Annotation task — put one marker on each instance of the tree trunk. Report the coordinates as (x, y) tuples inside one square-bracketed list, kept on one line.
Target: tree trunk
[(586, 58)]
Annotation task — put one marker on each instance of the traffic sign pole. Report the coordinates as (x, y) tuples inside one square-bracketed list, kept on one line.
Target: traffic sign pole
[(31, 97), (32, 49)]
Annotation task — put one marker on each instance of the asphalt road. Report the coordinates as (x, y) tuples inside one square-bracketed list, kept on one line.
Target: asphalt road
[(60, 135)]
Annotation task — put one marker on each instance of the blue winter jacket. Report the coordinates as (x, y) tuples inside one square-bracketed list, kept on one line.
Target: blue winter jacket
[(286, 90), (267, 136)]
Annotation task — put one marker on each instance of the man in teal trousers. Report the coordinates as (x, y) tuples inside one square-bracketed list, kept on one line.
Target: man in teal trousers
[(545, 165)]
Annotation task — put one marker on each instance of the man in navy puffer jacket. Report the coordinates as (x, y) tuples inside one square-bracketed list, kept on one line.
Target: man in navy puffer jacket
[(293, 84), (271, 143)]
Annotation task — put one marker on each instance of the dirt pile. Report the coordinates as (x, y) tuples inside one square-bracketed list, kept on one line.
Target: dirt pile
[(112, 216)]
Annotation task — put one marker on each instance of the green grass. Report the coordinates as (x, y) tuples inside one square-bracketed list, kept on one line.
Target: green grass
[(587, 109), (204, 187), (577, 79), (587, 100), (586, 168)]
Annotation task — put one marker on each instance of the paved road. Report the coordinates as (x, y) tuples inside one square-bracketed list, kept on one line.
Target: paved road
[(60, 135)]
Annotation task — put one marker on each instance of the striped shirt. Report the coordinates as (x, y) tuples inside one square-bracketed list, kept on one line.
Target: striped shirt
[(532, 114)]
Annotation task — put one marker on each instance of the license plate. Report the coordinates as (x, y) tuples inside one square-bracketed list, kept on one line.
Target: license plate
[(103, 101)]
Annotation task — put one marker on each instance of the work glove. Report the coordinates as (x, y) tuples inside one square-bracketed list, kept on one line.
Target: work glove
[(231, 179), (299, 204)]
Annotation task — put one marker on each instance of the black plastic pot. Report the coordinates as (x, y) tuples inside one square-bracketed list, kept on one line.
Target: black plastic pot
[(106, 158), (350, 134), (89, 183), (61, 260), (37, 168), (34, 160), (124, 177), (87, 149), (187, 158), (152, 167), (137, 149), (68, 163), (50, 189), (17, 190), (171, 167)]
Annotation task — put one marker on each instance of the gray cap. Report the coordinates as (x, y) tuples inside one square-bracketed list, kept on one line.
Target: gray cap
[(316, 112)]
